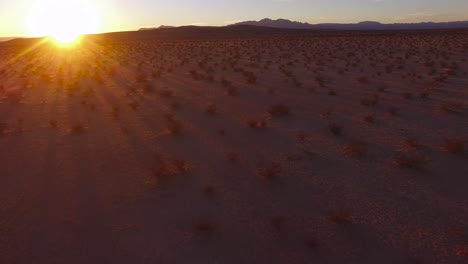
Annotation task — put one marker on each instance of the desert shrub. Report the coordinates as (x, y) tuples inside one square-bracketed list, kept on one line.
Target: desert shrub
[(141, 77), (165, 168), (232, 156), (369, 119), (225, 83), (209, 190), (327, 113), (269, 172), (256, 124), (3, 128), (166, 93), (278, 223), (370, 102), (279, 110), (407, 95), (394, 111), (311, 242), (156, 74), (204, 227), (52, 123), (148, 88), (250, 77), (232, 91), (78, 128), (424, 95), (341, 217), (211, 109), (452, 107), (355, 150), (335, 129), (362, 80), (410, 160), (174, 127), (411, 143), (454, 146), (175, 106)]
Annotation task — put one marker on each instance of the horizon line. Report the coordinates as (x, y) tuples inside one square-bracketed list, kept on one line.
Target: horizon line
[(242, 21)]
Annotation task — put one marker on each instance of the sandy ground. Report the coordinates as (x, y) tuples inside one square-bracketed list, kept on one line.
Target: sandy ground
[(339, 148)]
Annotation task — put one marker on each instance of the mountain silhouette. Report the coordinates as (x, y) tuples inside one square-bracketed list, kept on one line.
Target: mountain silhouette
[(365, 25)]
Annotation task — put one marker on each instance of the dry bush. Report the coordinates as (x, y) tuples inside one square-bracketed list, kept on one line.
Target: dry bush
[(225, 83), (53, 123), (327, 113), (3, 128), (175, 106), (166, 93), (407, 95), (279, 110), (341, 217), (269, 172), (369, 119), (424, 95), (134, 105), (355, 150), (204, 227), (124, 130), (174, 127), (454, 146), (256, 124), (335, 129), (78, 128), (141, 77), (148, 88), (362, 80), (209, 190), (411, 143), (452, 107), (211, 109), (394, 111), (410, 160), (165, 168), (232, 91), (232, 156), (311, 242), (370, 102), (278, 223)]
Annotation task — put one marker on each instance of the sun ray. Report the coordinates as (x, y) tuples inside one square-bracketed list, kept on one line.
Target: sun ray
[(64, 21)]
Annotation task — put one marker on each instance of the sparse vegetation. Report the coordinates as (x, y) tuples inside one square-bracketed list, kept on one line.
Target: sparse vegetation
[(269, 172), (174, 127), (256, 124), (454, 146), (335, 129), (341, 217), (410, 160), (355, 150), (204, 227), (248, 131), (279, 110)]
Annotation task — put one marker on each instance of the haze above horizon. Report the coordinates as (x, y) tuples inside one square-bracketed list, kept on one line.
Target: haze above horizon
[(119, 15)]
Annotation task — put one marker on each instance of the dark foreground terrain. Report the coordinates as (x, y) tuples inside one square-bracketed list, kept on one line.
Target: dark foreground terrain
[(235, 145)]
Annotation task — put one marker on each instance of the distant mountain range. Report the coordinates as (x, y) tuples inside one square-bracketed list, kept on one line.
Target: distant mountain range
[(366, 25), (162, 26)]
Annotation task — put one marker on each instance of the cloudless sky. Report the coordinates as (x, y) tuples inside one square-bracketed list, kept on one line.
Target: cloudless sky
[(119, 15)]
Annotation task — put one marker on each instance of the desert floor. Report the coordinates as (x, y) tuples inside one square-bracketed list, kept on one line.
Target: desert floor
[(326, 148)]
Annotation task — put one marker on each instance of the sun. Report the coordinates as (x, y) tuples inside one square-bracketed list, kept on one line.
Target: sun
[(62, 20)]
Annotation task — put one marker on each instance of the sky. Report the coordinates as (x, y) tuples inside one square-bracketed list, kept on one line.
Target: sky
[(122, 15)]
